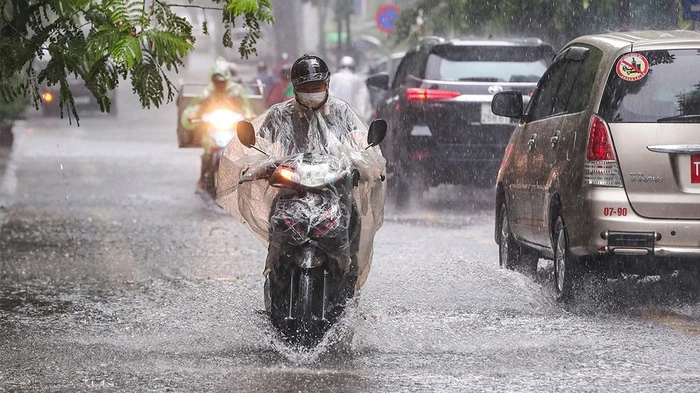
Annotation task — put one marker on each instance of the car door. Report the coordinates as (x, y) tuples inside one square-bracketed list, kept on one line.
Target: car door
[(553, 136), (389, 109), (541, 124), (566, 176)]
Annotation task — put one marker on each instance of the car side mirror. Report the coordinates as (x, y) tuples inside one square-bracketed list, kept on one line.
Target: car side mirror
[(508, 104), (376, 133), (246, 133), (378, 81)]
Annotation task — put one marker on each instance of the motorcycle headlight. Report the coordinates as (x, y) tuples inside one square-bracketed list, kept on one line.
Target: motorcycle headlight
[(223, 119)]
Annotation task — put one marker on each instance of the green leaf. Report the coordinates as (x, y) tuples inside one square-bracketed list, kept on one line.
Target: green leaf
[(166, 45), (127, 12), (127, 50), (103, 39), (240, 7), (147, 82)]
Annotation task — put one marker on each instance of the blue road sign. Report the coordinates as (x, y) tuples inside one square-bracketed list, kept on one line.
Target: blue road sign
[(386, 16)]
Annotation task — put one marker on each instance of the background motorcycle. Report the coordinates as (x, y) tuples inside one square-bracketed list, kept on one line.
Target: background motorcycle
[(313, 236), (220, 125)]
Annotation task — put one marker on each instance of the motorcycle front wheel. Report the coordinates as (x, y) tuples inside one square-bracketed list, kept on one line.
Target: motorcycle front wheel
[(296, 305)]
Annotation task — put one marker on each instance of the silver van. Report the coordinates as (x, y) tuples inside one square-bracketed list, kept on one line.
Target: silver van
[(603, 169)]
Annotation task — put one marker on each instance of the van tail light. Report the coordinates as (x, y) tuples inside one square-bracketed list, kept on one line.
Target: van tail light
[(601, 168), (414, 94), (420, 155)]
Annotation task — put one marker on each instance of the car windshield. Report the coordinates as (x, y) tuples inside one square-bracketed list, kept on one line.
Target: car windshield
[(487, 64), (669, 91)]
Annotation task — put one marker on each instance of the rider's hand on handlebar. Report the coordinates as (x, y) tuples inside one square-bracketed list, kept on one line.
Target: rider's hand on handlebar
[(259, 172)]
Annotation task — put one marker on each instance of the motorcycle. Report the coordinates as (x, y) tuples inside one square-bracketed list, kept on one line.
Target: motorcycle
[(314, 228), (219, 126)]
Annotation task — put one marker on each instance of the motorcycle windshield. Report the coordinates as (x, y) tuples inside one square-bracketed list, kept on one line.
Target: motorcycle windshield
[(287, 129), (313, 170)]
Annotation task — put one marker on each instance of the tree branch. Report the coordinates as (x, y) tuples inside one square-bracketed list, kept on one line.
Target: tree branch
[(201, 7)]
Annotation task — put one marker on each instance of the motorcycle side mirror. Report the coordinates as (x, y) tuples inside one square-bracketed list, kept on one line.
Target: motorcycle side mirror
[(246, 133), (376, 133)]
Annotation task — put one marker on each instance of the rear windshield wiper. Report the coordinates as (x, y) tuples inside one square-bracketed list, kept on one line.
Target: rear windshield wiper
[(680, 119)]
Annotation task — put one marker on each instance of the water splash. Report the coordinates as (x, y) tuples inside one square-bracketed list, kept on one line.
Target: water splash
[(336, 343)]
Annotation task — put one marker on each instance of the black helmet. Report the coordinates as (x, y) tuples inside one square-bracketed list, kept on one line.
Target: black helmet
[(309, 68)]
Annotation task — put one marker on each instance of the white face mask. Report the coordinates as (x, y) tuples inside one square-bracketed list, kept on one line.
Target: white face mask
[(312, 100)]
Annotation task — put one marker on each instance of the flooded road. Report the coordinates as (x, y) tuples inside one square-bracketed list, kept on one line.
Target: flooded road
[(115, 276)]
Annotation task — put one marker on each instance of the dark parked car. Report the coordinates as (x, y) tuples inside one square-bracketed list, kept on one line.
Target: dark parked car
[(438, 108), (82, 97), (387, 64)]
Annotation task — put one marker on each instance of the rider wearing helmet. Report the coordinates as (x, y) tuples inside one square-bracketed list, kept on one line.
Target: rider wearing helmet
[(347, 62), (315, 121), (351, 88), (223, 92), (311, 109)]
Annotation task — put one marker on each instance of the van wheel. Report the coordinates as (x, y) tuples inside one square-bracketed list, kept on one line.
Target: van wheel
[(511, 254), (566, 267)]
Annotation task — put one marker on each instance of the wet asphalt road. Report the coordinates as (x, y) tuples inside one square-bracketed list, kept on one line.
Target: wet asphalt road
[(115, 276)]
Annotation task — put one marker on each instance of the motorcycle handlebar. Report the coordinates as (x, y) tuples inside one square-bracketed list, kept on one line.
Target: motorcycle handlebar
[(264, 172)]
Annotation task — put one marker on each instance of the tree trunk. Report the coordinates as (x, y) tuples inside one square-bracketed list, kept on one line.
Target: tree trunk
[(348, 38), (340, 36)]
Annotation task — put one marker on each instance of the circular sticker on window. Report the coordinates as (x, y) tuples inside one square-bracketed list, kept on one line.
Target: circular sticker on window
[(632, 67)]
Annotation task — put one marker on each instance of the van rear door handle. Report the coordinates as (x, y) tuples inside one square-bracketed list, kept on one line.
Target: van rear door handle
[(532, 142), (555, 138)]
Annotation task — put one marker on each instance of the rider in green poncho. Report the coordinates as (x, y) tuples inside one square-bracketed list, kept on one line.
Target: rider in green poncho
[(223, 92)]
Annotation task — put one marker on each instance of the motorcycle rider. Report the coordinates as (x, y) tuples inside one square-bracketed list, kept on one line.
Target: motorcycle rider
[(350, 87), (223, 92), (314, 121), (265, 77), (282, 89)]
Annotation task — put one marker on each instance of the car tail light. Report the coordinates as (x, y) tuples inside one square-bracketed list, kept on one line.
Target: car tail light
[(601, 167), (429, 94), (420, 155)]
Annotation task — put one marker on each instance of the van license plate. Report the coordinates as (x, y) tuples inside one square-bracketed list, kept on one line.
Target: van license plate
[(487, 117), (695, 168)]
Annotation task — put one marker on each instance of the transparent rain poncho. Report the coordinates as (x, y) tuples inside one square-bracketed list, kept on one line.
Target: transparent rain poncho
[(287, 129)]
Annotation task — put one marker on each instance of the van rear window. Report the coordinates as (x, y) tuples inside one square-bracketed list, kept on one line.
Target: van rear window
[(668, 92)]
